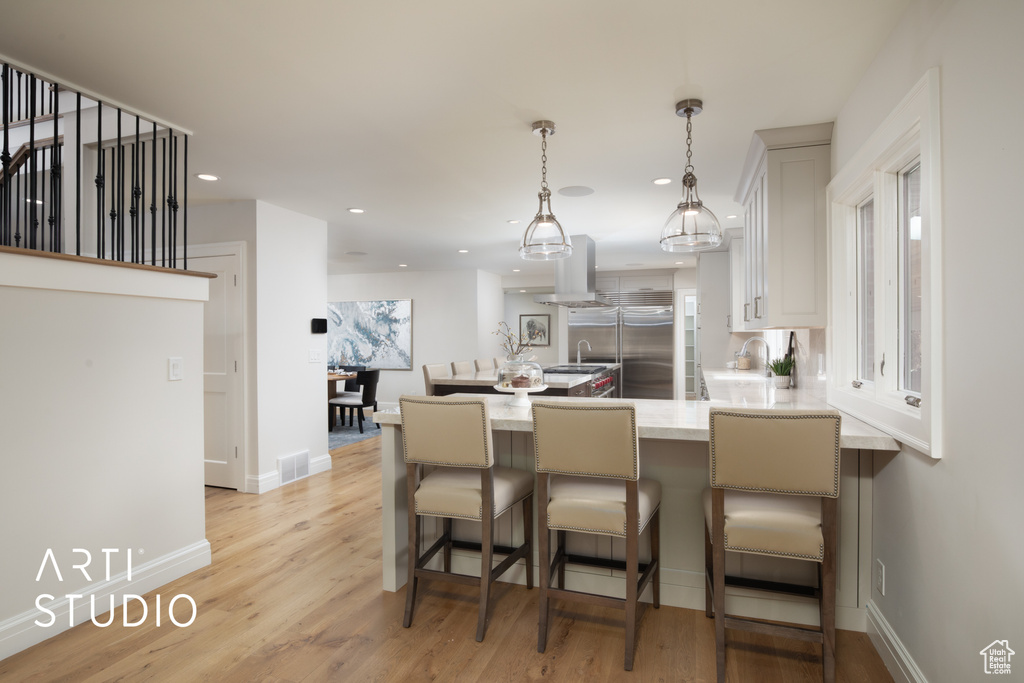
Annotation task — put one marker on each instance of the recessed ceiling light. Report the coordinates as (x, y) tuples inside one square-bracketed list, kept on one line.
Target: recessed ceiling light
[(661, 181), (355, 253), (354, 210), (513, 222), (680, 263), (515, 270), (463, 251), (732, 216), (522, 291), (402, 265), (576, 191), (208, 177)]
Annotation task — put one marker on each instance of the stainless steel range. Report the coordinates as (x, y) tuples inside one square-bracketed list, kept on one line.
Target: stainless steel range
[(602, 384)]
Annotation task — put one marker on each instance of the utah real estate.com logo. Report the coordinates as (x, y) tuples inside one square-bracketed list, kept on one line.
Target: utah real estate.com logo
[(997, 657)]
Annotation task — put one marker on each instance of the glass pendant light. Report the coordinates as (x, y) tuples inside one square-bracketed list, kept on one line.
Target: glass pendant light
[(692, 226), (544, 238)]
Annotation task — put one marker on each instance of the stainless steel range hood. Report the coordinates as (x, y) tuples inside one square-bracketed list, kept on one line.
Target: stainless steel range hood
[(574, 278)]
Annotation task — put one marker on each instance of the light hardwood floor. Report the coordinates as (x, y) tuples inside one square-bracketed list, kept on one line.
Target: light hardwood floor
[(294, 594)]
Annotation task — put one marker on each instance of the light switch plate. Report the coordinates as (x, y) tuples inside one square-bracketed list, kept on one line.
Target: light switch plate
[(314, 355), (175, 369)]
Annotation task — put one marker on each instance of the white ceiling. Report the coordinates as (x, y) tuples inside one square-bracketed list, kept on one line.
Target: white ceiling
[(420, 112)]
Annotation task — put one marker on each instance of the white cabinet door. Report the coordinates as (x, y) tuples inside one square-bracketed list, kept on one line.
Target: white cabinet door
[(784, 240), (737, 284)]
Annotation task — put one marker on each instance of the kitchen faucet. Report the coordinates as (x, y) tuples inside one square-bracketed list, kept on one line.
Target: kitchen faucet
[(582, 341), (767, 354)]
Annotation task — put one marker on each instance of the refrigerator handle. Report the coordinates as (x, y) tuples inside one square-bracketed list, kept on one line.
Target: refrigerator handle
[(618, 335)]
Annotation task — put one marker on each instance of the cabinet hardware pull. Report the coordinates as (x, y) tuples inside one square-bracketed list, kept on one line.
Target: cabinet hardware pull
[(728, 320), (746, 313), (757, 307)]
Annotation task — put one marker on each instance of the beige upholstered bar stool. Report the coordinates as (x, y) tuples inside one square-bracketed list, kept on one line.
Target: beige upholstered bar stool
[(588, 467), (454, 436), (774, 484), (431, 372), (462, 367)]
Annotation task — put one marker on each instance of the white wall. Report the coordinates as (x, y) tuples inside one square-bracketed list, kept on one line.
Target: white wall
[(517, 304), (490, 303), (444, 318), (949, 531), (291, 288), (99, 450)]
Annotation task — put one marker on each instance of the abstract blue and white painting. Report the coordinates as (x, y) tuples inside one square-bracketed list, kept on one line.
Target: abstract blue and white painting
[(377, 334)]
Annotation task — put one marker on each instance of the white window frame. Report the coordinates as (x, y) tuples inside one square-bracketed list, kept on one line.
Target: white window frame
[(911, 131)]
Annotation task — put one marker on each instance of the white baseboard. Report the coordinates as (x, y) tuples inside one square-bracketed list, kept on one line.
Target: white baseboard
[(319, 464), (897, 659), (21, 631)]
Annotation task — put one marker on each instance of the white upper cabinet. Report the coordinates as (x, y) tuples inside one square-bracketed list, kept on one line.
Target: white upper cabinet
[(737, 284), (645, 283), (784, 249)]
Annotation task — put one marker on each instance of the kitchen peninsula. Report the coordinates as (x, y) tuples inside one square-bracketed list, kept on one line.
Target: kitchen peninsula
[(673, 450), (561, 380)]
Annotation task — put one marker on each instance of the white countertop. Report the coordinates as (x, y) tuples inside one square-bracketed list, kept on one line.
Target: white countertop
[(688, 420), (488, 378)]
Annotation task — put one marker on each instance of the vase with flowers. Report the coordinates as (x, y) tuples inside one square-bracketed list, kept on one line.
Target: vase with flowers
[(517, 372)]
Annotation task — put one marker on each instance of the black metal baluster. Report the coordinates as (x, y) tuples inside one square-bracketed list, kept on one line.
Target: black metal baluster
[(5, 159), (113, 205), (142, 203), (55, 193), (99, 179), (163, 203), (78, 174), (117, 194), (33, 224), (173, 203), (184, 237), (152, 208), (136, 193)]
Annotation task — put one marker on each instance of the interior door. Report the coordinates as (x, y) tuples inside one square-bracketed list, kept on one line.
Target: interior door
[(222, 376)]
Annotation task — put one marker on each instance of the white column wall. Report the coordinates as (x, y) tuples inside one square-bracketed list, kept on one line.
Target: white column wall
[(948, 530), (98, 450), (291, 288)]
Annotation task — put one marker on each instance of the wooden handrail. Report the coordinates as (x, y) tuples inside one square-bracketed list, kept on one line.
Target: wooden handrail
[(102, 262), (21, 156)]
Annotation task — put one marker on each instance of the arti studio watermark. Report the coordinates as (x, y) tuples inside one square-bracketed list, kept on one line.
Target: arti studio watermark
[(49, 618)]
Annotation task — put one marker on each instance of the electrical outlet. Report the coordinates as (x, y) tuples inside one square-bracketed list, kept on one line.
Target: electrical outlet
[(880, 577), (314, 355)]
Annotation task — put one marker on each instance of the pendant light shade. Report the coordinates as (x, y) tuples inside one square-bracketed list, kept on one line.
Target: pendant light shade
[(692, 226), (544, 238)]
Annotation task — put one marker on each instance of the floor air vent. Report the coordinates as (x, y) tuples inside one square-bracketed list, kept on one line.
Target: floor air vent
[(292, 467)]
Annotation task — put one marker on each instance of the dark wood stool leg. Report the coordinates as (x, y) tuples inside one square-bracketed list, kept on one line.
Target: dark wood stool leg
[(828, 591), (544, 553), (718, 562), (528, 538)]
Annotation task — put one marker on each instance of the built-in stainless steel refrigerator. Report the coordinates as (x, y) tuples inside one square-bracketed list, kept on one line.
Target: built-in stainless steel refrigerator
[(639, 337)]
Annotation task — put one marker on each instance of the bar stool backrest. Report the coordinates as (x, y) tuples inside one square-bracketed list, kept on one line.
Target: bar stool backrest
[(776, 451), (453, 432), (598, 440), (432, 371)]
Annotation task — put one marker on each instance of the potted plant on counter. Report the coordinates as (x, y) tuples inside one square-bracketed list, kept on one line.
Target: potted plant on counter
[(782, 368)]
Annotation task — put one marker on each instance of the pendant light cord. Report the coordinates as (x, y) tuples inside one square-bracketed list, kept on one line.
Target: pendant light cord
[(544, 160), (689, 140)]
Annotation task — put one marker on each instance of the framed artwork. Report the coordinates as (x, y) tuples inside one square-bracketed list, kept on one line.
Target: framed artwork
[(536, 328), (375, 334)]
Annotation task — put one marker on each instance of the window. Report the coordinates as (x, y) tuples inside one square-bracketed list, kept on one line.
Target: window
[(885, 269), (866, 290)]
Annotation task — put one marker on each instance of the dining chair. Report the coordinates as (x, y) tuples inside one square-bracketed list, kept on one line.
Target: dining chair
[(462, 367), (483, 365), (433, 371), (366, 398), (498, 362), (773, 488), (453, 436), (588, 481)]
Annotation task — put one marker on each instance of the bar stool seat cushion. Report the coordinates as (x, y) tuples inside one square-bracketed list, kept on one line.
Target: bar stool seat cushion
[(767, 524), (455, 491), (598, 505)]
